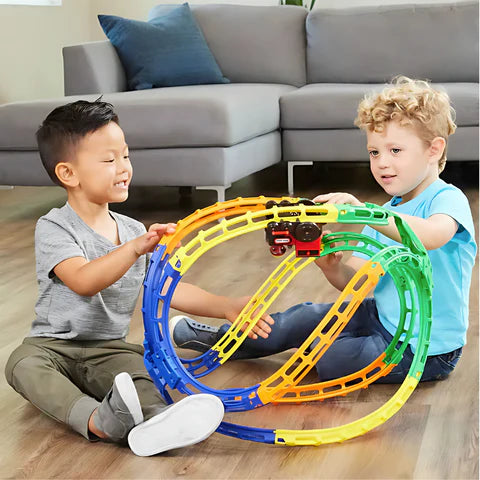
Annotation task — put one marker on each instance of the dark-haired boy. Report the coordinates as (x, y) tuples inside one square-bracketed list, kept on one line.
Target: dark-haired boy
[(90, 267)]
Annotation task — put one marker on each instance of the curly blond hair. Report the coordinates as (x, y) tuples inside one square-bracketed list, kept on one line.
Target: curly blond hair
[(410, 102)]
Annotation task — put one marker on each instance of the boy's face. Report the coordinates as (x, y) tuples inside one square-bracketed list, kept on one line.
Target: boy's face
[(102, 166), (400, 161)]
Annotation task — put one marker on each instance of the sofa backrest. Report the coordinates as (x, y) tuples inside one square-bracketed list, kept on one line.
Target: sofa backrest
[(438, 42), (254, 44)]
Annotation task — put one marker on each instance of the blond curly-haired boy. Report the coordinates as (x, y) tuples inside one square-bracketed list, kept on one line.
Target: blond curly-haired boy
[(407, 126)]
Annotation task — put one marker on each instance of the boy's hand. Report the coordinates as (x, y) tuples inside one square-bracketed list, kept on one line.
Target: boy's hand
[(338, 198), (162, 228), (330, 261), (262, 328), (148, 241)]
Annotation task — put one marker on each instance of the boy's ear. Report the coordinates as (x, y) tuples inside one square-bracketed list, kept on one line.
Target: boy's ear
[(437, 147), (66, 174)]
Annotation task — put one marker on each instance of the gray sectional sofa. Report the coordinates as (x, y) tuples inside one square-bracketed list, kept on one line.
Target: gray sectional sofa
[(296, 79)]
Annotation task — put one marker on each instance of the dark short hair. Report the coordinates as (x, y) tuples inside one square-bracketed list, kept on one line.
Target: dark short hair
[(65, 126)]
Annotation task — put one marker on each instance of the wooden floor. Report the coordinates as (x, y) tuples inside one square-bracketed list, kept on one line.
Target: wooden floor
[(434, 436)]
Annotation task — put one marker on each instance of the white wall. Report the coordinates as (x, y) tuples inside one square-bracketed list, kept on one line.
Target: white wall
[(31, 40)]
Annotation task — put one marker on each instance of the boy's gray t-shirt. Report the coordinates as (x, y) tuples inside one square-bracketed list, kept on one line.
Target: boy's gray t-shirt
[(62, 313)]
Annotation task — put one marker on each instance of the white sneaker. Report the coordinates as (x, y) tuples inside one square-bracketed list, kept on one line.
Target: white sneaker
[(120, 410), (187, 422)]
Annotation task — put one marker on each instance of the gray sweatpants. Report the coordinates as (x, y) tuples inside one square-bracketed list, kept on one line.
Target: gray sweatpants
[(67, 379)]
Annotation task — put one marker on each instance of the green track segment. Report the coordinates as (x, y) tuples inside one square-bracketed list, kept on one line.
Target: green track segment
[(404, 264)]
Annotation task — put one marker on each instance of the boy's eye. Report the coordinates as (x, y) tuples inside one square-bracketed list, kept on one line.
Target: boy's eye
[(126, 156), (395, 150), (373, 153), (109, 161)]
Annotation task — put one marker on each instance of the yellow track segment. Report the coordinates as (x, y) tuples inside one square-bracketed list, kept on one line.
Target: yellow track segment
[(308, 354), (353, 429), (259, 303), (185, 256), (212, 213), (336, 387)]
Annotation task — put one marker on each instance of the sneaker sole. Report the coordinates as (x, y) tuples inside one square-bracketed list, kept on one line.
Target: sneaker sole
[(187, 422), (128, 393)]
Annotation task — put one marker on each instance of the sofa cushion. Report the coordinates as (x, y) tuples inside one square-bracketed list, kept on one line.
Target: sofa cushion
[(371, 44), (168, 50), (191, 116), (254, 44), (331, 105)]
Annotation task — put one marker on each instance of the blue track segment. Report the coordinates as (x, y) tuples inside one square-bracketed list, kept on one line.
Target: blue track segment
[(161, 360), (262, 435)]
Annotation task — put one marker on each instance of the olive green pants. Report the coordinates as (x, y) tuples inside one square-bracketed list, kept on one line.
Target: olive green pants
[(68, 379)]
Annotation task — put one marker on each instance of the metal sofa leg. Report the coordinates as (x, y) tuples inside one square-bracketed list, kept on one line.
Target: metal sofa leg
[(290, 174), (219, 189)]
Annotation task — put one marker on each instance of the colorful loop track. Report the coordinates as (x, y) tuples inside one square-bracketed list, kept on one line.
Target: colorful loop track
[(407, 264)]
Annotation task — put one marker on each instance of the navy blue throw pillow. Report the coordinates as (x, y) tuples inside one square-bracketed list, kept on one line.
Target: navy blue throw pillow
[(169, 50)]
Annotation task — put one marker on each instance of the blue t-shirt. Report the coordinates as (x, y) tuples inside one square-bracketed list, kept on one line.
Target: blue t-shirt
[(452, 267)]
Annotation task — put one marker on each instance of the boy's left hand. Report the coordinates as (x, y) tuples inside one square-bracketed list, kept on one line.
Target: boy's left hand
[(261, 329), (338, 198)]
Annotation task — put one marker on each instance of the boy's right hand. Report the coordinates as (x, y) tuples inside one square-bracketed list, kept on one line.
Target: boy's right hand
[(148, 241), (145, 243), (331, 261), (338, 198)]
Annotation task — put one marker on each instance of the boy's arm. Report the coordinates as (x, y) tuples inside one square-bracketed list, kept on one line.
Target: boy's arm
[(338, 273), (191, 299), (87, 278), (434, 231)]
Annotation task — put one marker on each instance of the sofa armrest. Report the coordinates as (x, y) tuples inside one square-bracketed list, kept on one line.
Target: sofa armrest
[(92, 68)]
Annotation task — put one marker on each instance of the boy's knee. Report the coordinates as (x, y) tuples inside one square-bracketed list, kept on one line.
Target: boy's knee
[(22, 363), (15, 357), (9, 371), (349, 354), (18, 371)]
